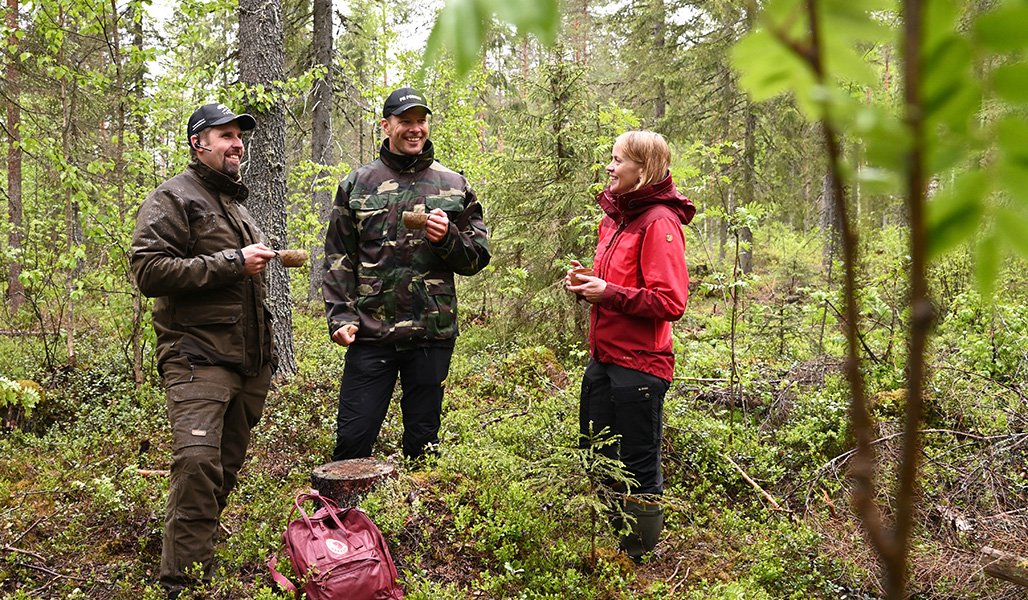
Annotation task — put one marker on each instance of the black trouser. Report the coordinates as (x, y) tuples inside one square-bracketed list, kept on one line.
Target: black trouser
[(368, 381), (631, 404)]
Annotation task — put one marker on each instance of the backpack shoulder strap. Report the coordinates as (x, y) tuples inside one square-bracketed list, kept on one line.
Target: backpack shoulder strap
[(279, 578)]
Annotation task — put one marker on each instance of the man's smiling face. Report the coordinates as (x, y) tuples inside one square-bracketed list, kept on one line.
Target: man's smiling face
[(224, 148), (407, 131)]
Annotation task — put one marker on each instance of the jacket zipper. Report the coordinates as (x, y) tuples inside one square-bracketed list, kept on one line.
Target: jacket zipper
[(603, 269)]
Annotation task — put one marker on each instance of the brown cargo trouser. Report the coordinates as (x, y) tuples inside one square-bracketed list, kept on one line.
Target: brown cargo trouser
[(212, 411)]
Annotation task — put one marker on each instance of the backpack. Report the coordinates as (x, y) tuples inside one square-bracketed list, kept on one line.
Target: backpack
[(337, 553)]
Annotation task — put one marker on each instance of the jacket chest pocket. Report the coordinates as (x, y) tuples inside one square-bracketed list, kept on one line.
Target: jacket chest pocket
[(371, 214), (452, 204), (211, 232)]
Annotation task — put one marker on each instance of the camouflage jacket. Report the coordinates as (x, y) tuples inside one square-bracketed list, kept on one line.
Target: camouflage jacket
[(390, 281), (186, 253)]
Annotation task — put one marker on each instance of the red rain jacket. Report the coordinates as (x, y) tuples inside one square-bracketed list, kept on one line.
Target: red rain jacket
[(641, 256)]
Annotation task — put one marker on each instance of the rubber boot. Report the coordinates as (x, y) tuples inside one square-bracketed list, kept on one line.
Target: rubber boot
[(649, 522)]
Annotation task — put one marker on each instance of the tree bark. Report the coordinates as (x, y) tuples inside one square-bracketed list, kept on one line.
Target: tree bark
[(321, 135), (114, 43), (659, 40), (15, 290), (348, 481), (139, 306), (71, 206), (829, 220), (261, 61), (749, 170), (921, 312)]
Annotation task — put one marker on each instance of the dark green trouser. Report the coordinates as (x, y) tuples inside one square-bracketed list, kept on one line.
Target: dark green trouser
[(212, 411)]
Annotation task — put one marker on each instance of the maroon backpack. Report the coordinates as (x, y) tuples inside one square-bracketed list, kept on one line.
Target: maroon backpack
[(337, 553)]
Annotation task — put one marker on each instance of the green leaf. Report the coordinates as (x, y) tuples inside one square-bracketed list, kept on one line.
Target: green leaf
[(1003, 29), (788, 16), (843, 63), (767, 68), (1012, 133), (955, 213), (945, 152), (986, 265), (540, 18), (459, 28), (1012, 226), (1013, 176), (857, 21), (947, 81), (887, 140), (1011, 82), (939, 22)]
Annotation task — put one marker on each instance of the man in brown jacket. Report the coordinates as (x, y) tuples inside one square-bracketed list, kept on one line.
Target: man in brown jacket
[(199, 252)]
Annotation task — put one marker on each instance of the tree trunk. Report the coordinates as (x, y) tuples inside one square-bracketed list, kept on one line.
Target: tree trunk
[(261, 61), (15, 290), (748, 187), (749, 170), (829, 220), (659, 36), (71, 206), (728, 99), (114, 43), (560, 98), (139, 306), (580, 33), (321, 135)]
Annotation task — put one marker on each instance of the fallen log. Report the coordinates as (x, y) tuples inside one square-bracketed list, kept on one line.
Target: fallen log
[(756, 486), (348, 481), (1006, 566)]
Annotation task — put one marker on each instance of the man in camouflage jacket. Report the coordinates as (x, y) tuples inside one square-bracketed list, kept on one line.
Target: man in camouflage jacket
[(199, 252), (389, 287)]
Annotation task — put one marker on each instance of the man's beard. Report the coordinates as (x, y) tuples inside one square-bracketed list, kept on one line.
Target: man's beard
[(230, 169)]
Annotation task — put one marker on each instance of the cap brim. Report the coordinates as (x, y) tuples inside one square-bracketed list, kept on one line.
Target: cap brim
[(404, 108), (245, 122)]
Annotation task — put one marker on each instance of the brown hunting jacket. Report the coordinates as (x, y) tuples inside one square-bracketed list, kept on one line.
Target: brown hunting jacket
[(186, 253)]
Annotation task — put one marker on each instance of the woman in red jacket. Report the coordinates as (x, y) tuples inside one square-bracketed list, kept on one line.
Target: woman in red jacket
[(638, 286)]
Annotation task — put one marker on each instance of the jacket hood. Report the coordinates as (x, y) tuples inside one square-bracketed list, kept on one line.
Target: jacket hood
[(219, 182), (627, 206), (407, 163)]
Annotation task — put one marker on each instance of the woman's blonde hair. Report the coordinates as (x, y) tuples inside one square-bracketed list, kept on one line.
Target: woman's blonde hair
[(649, 149)]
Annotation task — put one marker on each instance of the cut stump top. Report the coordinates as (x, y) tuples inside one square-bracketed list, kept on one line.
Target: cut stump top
[(345, 481)]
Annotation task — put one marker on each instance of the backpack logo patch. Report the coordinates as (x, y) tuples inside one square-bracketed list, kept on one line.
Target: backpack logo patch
[(336, 547)]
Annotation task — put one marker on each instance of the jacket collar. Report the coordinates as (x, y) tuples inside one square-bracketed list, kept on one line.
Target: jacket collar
[(219, 182), (406, 163), (627, 206)]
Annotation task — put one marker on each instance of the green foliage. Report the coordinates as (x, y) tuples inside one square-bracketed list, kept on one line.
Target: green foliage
[(511, 508), (977, 179), (462, 26), (18, 397)]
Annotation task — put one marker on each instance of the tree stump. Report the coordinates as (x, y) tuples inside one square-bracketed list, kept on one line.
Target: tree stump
[(348, 481)]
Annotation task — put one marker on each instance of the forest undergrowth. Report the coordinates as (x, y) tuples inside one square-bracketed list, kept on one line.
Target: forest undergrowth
[(757, 496)]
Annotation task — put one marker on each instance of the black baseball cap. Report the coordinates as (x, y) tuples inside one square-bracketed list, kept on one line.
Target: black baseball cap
[(403, 100), (214, 114)]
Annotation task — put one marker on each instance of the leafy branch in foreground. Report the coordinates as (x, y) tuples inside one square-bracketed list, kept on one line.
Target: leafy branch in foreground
[(810, 49), (463, 25)]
